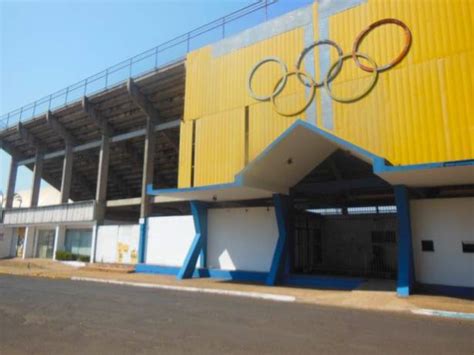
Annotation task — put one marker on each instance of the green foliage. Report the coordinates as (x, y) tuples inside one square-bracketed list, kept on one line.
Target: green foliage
[(67, 256), (84, 258), (64, 255)]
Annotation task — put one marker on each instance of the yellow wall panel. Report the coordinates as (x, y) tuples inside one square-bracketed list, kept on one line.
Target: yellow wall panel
[(265, 124), (219, 84), (185, 154), (220, 152), (418, 112)]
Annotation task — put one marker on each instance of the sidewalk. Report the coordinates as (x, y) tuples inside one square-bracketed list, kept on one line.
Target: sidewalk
[(373, 295)]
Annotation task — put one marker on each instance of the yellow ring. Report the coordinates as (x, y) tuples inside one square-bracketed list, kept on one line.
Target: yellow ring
[(308, 102), (375, 74)]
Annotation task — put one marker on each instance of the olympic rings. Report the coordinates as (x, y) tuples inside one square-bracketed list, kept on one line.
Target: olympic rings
[(278, 88), (299, 74), (366, 31), (359, 96), (333, 71), (305, 51)]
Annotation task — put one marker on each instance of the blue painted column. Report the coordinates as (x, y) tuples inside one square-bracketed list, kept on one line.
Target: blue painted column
[(282, 203), (199, 244), (406, 277), (142, 240)]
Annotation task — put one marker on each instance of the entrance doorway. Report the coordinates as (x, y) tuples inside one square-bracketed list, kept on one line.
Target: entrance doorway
[(344, 221), (346, 245), (45, 244)]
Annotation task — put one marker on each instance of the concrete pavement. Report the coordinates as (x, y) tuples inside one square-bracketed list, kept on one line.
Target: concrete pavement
[(45, 316)]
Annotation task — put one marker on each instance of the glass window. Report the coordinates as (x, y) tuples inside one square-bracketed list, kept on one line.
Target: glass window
[(78, 241)]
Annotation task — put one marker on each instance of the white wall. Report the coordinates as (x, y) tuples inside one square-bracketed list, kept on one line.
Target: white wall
[(241, 238), (6, 240), (117, 244), (169, 240), (447, 222)]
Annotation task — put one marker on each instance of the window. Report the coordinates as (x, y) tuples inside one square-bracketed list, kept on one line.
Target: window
[(427, 245), (78, 241), (468, 247)]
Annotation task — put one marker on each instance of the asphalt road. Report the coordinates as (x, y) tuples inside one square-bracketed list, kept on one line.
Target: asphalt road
[(44, 316)]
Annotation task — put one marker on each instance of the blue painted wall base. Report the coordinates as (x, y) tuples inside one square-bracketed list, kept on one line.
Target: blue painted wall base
[(453, 291), (339, 283)]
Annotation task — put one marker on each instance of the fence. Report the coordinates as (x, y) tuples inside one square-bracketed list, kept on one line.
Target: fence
[(152, 59)]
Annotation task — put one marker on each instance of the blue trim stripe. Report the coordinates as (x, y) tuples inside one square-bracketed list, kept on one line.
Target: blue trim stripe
[(454, 291), (311, 281)]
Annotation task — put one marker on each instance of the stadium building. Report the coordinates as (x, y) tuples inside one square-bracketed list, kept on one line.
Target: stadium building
[(322, 147)]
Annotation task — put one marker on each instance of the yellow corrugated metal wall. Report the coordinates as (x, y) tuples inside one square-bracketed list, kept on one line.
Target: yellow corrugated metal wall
[(216, 97), (219, 147), (419, 112)]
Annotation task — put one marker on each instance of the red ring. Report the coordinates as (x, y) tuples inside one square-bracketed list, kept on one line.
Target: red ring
[(365, 32)]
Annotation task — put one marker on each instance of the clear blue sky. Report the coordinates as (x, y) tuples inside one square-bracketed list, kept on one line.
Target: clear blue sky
[(48, 45)]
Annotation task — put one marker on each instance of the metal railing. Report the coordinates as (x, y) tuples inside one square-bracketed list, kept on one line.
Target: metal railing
[(143, 63)]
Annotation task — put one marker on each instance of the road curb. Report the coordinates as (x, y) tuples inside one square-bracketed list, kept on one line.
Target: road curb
[(257, 295), (444, 314)]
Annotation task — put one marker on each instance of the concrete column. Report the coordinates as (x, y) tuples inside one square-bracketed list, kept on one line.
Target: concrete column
[(147, 178), (102, 177), (11, 182), (67, 174), (406, 278), (59, 239), (29, 243), (38, 170), (95, 231), (148, 167)]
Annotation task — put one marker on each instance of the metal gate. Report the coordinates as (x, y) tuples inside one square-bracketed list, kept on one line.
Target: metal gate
[(346, 245)]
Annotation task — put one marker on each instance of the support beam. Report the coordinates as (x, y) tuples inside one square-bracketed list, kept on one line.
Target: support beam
[(96, 144), (142, 102), (148, 167), (282, 205), (36, 182), (59, 129), (13, 171), (12, 174), (102, 177), (148, 109), (93, 113), (35, 143), (29, 138), (199, 245), (10, 149), (66, 177), (406, 274), (69, 141)]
